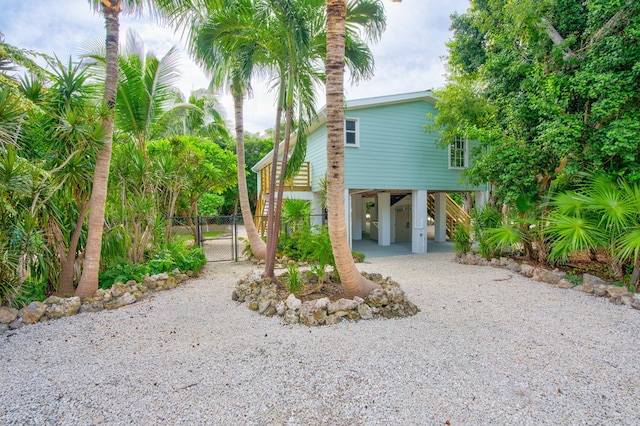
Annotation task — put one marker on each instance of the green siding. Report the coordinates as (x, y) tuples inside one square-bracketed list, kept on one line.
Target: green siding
[(394, 151), (317, 156)]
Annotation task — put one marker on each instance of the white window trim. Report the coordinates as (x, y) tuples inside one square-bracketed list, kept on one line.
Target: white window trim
[(357, 144), (466, 156)]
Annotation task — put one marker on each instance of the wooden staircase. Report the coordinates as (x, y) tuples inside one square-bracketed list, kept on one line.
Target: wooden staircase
[(300, 182), (455, 213)]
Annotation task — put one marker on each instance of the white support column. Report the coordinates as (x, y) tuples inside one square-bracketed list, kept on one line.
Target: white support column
[(316, 210), (347, 213), (440, 216), (419, 219), (384, 218), (482, 197), (356, 216)]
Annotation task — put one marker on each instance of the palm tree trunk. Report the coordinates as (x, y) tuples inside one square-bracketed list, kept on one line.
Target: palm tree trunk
[(69, 260), (272, 242), (354, 283), (271, 226), (258, 247), (88, 284)]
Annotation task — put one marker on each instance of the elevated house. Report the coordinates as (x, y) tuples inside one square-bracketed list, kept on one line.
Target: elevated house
[(397, 179)]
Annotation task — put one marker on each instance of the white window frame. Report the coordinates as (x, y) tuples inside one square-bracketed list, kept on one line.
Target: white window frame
[(465, 153), (357, 132)]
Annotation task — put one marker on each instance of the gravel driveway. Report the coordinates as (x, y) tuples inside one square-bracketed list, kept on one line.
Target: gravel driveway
[(489, 347)]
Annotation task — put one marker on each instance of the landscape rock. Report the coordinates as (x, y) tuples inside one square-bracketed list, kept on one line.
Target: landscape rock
[(281, 308), (527, 270), (63, 307), (616, 292), (564, 283), (307, 311), (31, 314), (293, 302), (342, 305), (365, 311), (95, 306), (118, 289), (592, 280), (377, 297), (124, 300), (7, 314), (291, 317)]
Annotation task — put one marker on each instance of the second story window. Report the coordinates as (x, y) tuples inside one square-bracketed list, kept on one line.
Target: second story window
[(351, 132), (458, 154)]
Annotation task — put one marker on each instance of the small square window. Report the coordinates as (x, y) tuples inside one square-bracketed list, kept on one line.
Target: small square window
[(458, 154), (351, 132)]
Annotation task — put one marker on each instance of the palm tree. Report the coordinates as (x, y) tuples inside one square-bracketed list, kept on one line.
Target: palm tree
[(227, 44), (354, 283), (110, 9)]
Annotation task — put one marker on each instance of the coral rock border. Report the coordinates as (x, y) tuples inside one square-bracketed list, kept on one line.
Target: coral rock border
[(590, 283), (261, 295), (118, 295)]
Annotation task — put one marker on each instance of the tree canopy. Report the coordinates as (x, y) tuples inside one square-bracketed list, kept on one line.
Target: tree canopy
[(549, 88)]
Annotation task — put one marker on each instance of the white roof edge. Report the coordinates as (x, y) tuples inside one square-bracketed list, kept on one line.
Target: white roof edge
[(426, 95)]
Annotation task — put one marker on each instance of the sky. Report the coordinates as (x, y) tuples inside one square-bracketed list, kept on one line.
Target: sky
[(408, 58)]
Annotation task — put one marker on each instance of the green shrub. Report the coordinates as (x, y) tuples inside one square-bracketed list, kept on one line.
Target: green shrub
[(293, 279), (462, 239)]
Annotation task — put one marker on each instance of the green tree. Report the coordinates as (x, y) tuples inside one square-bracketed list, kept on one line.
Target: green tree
[(549, 89)]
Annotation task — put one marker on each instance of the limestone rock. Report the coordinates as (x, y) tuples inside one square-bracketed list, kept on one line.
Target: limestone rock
[(564, 283), (343, 305), (395, 294), (293, 302), (52, 300), (63, 308), (377, 297), (32, 313), (291, 317), (124, 300), (600, 290), (265, 306), (307, 311), (592, 280), (281, 308), (7, 314), (584, 288), (551, 277), (616, 292), (365, 311), (359, 300), (4, 327), (118, 289), (95, 306), (526, 270), (322, 303), (16, 324), (333, 319), (320, 315)]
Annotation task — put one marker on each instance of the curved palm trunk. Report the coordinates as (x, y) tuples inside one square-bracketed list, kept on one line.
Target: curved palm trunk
[(271, 225), (68, 259), (354, 283), (88, 284), (258, 247), (272, 242)]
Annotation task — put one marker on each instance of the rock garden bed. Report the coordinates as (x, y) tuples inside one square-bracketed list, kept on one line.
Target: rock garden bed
[(322, 302), (118, 295), (589, 284)]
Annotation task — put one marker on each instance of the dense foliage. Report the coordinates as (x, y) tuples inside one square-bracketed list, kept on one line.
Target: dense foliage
[(549, 88), (50, 131)]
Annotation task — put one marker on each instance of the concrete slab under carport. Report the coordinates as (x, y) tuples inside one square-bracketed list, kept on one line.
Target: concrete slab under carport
[(371, 248)]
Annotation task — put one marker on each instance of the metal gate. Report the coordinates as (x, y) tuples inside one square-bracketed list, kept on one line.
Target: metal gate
[(217, 235)]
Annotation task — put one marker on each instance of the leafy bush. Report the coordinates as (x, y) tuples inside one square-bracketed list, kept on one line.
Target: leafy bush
[(293, 279), (175, 255), (461, 239)]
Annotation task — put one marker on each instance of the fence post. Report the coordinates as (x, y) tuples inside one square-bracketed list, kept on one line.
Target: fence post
[(198, 231), (235, 237)]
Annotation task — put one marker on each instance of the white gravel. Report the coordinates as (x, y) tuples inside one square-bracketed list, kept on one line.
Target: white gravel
[(489, 347)]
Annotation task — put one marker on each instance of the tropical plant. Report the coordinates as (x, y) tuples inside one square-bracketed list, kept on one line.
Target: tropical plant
[(461, 239), (600, 214), (293, 278)]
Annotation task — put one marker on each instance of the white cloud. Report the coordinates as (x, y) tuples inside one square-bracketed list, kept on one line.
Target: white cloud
[(408, 58)]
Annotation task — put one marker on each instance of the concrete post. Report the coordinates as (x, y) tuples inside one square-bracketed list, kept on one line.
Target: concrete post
[(419, 219), (384, 218), (440, 216), (356, 216)]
